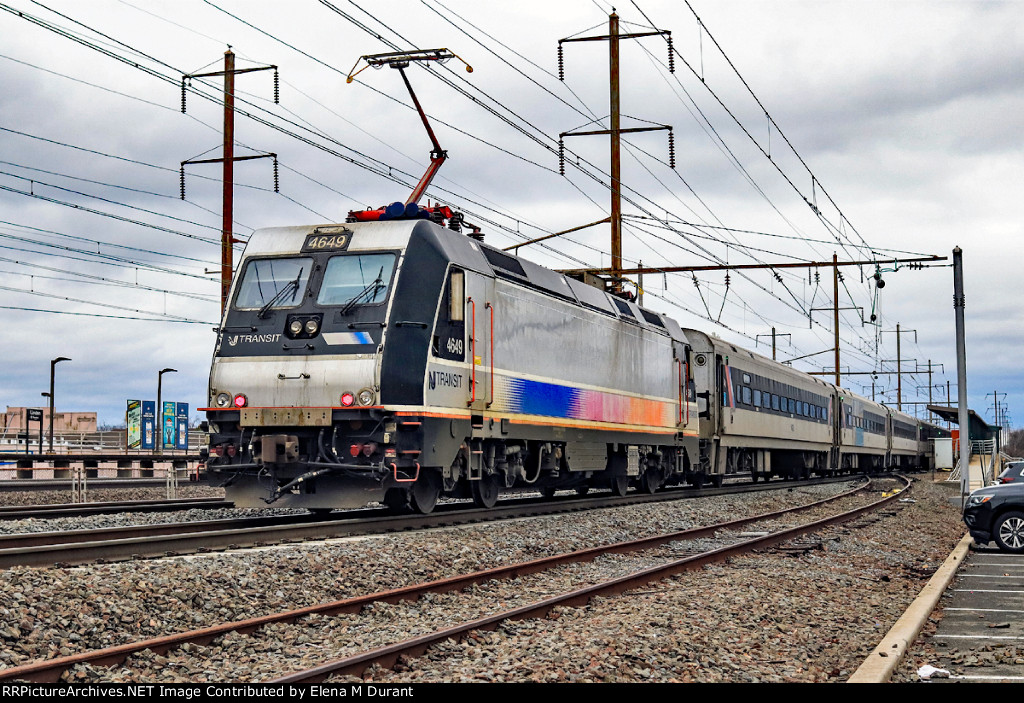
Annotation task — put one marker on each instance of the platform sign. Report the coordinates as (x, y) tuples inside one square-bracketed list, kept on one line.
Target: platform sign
[(148, 424), (133, 420), (181, 441), (167, 423)]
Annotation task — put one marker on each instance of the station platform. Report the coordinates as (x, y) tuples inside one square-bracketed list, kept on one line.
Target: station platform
[(979, 593), (981, 635)]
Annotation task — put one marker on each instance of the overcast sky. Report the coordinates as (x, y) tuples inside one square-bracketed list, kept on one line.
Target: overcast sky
[(899, 122)]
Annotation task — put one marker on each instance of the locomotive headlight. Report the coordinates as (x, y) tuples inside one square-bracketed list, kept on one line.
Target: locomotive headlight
[(312, 327), (366, 397), (295, 327), (223, 400)]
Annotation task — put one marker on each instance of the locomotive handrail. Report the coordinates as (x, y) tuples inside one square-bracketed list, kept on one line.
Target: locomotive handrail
[(686, 395), (472, 352), (491, 307), (679, 366)]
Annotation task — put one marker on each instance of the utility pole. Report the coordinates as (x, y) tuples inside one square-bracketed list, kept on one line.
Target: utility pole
[(899, 364), (930, 386), (835, 305), (995, 404), (228, 159), (615, 133), (773, 336), (959, 303)]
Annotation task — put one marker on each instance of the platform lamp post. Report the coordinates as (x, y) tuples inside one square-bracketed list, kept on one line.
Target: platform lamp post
[(159, 407), (53, 365)]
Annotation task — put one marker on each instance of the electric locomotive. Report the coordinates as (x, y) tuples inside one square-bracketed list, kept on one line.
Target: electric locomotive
[(398, 361)]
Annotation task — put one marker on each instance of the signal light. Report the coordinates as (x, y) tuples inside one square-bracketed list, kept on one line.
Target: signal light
[(347, 399), (241, 401)]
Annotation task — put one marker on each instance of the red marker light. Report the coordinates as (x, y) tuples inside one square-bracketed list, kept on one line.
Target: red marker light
[(241, 401), (355, 449), (347, 399)]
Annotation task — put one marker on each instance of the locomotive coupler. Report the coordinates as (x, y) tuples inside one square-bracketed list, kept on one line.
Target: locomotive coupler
[(277, 449)]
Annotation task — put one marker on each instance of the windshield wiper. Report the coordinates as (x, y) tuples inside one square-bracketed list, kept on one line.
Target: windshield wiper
[(375, 285), (291, 287)]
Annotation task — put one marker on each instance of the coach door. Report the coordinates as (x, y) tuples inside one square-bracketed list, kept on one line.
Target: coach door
[(835, 458)]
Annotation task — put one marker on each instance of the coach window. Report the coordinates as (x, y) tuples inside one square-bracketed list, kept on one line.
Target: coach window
[(746, 395), (792, 406), (757, 398), (775, 402)]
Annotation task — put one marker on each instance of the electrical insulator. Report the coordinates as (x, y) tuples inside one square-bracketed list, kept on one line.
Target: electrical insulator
[(561, 157), (817, 277), (561, 63), (671, 150), (275, 176), (671, 56), (277, 91), (183, 95), (181, 180), (695, 283), (778, 276), (726, 279)]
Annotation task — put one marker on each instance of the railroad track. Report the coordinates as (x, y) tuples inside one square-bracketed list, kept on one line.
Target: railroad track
[(656, 556), (73, 547), (55, 510)]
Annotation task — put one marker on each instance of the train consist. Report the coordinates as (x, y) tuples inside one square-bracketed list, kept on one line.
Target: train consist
[(398, 360)]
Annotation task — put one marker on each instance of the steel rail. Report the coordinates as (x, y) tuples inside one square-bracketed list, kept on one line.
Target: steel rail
[(172, 539), (49, 671), (24, 512), (387, 656)]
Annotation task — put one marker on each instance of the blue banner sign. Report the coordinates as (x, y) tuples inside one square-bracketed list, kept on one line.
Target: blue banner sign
[(148, 424), (182, 438)]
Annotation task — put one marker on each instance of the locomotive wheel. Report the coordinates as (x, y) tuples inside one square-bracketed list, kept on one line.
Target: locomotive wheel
[(582, 490), (485, 491), (651, 481), (397, 499), (717, 480), (548, 492), (424, 493), (754, 476), (619, 485)]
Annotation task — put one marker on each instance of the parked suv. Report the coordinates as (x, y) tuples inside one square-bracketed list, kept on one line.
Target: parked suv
[(1014, 471), (997, 513)]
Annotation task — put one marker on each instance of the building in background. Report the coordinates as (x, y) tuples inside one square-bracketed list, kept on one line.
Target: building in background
[(14, 421)]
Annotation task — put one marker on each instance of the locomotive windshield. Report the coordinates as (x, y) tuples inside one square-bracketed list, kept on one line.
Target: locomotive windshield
[(277, 283), (356, 279)]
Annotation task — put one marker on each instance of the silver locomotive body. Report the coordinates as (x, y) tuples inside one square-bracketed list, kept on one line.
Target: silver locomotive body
[(399, 361)]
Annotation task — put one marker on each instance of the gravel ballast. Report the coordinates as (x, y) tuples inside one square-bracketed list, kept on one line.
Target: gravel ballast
[(802, 616)]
